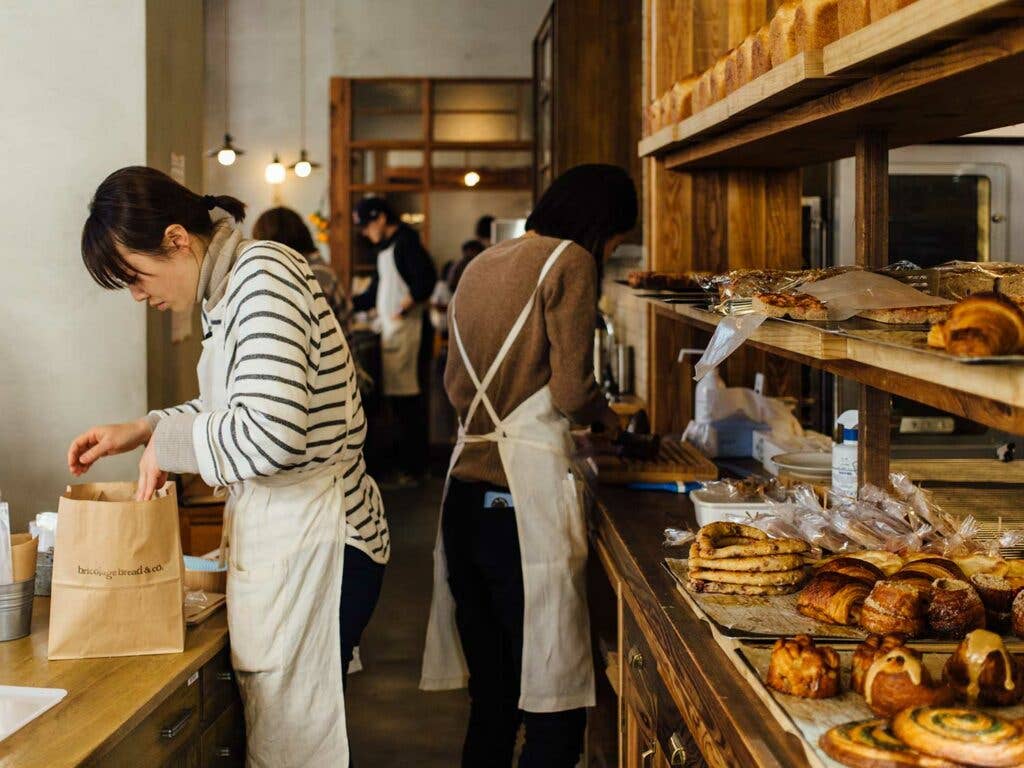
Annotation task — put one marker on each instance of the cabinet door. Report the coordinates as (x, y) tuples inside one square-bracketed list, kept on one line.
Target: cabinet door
[(163, 738), (641, 748), (223, 743)]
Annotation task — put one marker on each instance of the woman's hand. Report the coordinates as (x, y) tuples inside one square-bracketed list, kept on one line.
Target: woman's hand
[(107, 440), (151, 477)]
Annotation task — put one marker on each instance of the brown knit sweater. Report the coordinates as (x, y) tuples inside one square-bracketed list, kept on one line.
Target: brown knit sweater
[(555, 347)]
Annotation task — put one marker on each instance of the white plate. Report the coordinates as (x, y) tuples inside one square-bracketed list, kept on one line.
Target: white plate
[(20, 705), (816, 464)]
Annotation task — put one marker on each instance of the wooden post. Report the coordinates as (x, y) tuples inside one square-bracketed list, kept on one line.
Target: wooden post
[(872, 249), (340, 231)]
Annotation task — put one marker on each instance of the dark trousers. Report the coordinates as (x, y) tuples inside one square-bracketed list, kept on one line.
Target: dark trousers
[(412, 450), (486, 579), (360, 588)]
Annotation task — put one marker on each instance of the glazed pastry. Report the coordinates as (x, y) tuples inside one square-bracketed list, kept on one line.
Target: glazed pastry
[(962, 735), (852, 567), (800, 668), (1017, 615), (894, 606), (982, 672), (865, 654), (954, 609), (872, 744), (834, 598), (897, 680)]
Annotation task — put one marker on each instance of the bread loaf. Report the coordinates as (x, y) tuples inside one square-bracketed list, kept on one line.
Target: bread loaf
[(784, 33), (680, 103), (761, 52), (718, 86), (817, 24), (701, 98), (733, 79), (853, 14), (879, 9)]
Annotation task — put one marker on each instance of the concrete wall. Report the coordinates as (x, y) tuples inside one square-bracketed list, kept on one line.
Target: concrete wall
[(349, 38), (73, 354)]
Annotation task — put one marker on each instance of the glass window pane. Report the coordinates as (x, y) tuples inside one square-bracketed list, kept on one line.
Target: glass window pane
[(495, 168), (526, 112), (475, 126), (387, 166), (465, 97), (938, 218), (387, 95), (383, 126)]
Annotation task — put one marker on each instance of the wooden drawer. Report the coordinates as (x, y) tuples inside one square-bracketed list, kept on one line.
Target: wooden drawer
[(223, 743), (640, 671), (163, 738), (675, 739), (219, 686)]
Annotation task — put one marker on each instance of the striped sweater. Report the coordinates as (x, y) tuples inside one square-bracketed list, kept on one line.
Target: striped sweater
[(292, 401)]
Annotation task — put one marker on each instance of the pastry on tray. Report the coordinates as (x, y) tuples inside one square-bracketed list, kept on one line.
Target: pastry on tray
[(983, 672), (864, 655), (954, 609), (732, 558), (962, 735), (981, 325), (894, 606), (801, 668), (897, 680), (751, 564), (887, 562), (720, 540), (872, 744), (853, 567), (753, 590), (1017, 615), (923, 572), (997, 594), (666, 281), (796, 306), (906, 315), (834, 597)]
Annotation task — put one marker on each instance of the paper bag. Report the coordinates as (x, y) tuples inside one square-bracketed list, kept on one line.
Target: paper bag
[(117, 574), (23, 555)]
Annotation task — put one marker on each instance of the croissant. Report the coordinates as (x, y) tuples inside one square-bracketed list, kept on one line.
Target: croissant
[(834, 598), (897, 680), (955, 608), (924, 571), (800, 668), (984, 324), (864, 656), (983, 672), (894, 606), (852, 567)]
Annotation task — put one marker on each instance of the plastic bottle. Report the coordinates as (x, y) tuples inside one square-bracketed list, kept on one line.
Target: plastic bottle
[(844, 455), (704, 396)]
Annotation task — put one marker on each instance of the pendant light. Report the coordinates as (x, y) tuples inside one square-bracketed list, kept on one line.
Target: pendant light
[(472, 178), (227, 153), (274, 172), (303, 166)]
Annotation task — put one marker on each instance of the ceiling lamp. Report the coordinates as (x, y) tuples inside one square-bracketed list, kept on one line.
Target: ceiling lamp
[(303, 166), (274, 173), (227, 153), (471, 179)]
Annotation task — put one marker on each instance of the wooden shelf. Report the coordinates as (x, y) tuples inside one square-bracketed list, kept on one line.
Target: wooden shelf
[(747, 128), (989, 394)]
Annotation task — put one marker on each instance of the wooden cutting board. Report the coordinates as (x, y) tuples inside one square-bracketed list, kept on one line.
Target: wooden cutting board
[(677, 461)]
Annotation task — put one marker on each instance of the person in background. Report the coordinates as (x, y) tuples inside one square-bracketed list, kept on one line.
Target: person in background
[(509, 611), (285, 226), (278, 422), (399, 291), (483, 230), (470, 250)]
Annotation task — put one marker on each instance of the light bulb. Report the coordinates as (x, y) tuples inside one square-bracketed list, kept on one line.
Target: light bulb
[(471, 179), (303, 168), (274, 174), (226, 156)]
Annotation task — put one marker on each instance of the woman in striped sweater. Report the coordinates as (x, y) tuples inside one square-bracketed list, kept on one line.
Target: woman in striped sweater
[(280, 424)]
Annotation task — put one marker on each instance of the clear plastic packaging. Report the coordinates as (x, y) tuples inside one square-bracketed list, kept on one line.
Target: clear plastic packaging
[(678, 537), (851, 292), (729, 336), (6, 566)]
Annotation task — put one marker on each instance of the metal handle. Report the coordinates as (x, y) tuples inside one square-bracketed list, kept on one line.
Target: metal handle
[(225, 677), (678, 756), (223, 751), (636, 659), (173, 731), (647, 756)]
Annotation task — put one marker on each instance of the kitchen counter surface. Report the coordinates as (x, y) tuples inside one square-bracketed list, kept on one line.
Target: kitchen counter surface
[(107, 698)]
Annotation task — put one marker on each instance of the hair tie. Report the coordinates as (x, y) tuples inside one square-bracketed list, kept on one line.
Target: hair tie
[(210, 202)]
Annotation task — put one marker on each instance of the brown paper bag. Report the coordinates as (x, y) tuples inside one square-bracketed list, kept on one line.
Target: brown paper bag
[(117, 574), (23, 555)]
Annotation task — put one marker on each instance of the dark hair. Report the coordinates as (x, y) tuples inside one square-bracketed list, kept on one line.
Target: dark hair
[(133, 207), (472, 248), (588, 204), (285, 226), (483, 227)]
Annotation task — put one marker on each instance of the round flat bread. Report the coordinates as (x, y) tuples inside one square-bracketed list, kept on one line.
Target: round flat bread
[(758, 549), (962, 735), (872, 744), (716, 588), (765, 563), (775, 578), (712, 535)]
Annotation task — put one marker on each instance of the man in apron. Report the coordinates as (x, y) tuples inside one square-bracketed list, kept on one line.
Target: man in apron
[(402, 285)]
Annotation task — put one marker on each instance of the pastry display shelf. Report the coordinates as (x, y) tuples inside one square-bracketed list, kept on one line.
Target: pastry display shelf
[(990, 394), (867, 80)]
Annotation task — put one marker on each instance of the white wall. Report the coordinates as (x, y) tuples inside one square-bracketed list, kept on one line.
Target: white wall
[(348, 38), (71, 354)]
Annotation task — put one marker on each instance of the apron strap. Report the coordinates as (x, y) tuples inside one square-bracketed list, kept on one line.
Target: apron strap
[(482, 386)]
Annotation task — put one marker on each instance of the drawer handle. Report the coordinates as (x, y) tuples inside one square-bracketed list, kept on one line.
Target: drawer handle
[(636, 659), (173, 731), (678, 756), (223, 751), (647, 757), (225, 677)]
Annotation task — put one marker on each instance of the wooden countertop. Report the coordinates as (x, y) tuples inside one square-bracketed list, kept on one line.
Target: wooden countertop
[(106, 697), (728, 721)]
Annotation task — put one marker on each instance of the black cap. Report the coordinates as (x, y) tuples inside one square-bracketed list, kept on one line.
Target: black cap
[(369, 208)]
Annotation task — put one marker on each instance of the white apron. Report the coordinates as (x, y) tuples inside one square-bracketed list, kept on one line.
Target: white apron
[(535, 446), (284, 540), (400, 336)]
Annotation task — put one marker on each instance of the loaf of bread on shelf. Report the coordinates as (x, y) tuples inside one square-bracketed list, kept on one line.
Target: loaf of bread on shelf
[(981, 325), (718, 86), (879, 9), (982, 671), (853, 14), (761, 52), (680, 102), (732, 70), (800, 668), (784, 33), (817, 24), (739, 67), (701, 98)]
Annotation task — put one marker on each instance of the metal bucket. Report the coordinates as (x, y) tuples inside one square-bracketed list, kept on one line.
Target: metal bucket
[(16, 608), (44, 572)]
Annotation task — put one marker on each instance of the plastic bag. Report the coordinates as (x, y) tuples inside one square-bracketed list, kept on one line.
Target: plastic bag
[(847, 294), (730, 334), (678, 537)]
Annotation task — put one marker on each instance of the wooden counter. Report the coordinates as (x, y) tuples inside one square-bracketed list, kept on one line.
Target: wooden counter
[(117, 708), (678, 693)]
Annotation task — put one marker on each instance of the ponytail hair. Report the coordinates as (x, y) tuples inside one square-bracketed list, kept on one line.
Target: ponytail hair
[(133, 207)]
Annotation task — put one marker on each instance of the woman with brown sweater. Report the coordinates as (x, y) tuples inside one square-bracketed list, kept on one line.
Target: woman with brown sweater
[(509, 614)]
